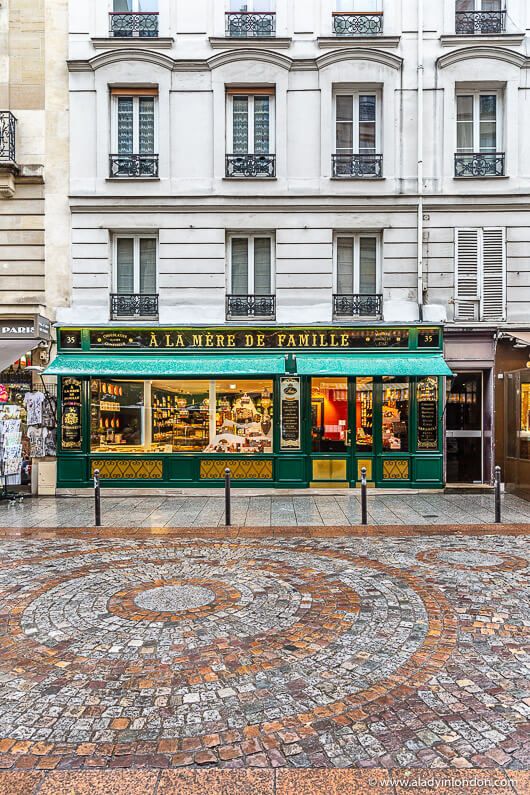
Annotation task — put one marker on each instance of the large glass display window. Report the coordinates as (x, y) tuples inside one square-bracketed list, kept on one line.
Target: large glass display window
[(524, 433), (395, 414), (181, 416), (329, 415), (364, 414)]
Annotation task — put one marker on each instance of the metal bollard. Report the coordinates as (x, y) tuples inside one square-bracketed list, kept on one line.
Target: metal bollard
[(497, 495), (364, 508), (97, 498), (228, 518)]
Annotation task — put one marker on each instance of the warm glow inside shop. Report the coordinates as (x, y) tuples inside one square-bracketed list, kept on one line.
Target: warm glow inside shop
[(283, 407)]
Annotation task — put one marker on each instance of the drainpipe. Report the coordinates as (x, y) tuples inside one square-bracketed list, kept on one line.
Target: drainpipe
[(420, 158)]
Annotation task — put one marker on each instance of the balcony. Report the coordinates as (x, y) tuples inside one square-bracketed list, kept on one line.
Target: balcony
[(250, 166), (133, 165), (245, 25), (253, 306), (128, 25), (7, 138), (480, 23), (480, 164), (357, 306), (357, 166), (358, 24), (127, 305)]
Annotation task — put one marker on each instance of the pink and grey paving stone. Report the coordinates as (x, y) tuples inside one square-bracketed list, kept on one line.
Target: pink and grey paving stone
[(165, 651)]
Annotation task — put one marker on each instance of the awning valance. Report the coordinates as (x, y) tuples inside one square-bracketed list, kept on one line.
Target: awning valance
[(360, 364), (167, 366)]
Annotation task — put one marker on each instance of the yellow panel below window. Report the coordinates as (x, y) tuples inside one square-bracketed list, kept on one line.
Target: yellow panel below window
[(129, 469), (364, 463), (239, 470), (395, 470), (330, 469)]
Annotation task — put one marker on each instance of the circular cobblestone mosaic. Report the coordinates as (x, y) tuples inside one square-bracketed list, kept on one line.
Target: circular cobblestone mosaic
[(180, 641)]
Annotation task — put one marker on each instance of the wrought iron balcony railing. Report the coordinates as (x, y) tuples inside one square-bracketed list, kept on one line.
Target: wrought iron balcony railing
[(144, 24), (357, 305), (358, 24), (357, 166), (250, 166), (238, 306), (480, 164), (133, 305), (244, 25), (7, 137), (133, 165), (476, 23)]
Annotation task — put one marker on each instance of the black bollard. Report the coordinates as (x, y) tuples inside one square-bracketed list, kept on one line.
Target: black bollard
[(497, 495), (97, 498), (228, 518), (364, 508)]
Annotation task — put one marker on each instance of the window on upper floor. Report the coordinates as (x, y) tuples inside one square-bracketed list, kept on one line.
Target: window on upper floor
[(357, 276), (250, 18), (130, 18), (250, 133), (480, 267), (134, 276), (479, 134), (357, 135), (476, 17), (358, 18), (250, 278), (134, 132)]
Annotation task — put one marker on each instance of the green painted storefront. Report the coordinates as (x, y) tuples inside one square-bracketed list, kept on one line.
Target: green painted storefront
[(169, 407)]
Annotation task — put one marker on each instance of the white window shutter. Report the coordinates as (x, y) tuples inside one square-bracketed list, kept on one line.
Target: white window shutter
[(493, 274), (467, 247)]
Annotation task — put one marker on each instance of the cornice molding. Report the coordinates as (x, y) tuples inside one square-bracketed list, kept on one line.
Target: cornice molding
[(249, 54), (502, 40), (259, 43), (492, 53), (120, 55), (358, 41), (359, 54), (114, 43)]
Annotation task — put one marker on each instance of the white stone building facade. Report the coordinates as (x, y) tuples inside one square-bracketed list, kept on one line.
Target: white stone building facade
[(306, 150)]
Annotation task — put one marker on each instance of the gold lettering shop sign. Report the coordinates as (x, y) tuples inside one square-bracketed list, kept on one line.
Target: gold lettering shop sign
[(232, 339)]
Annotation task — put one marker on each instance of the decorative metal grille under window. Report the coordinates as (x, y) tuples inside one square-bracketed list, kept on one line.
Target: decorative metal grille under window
[(358, 166), (144, 24), (133, 305), (7, 136), (480, 164), (357, 24), (357, 305), (473, 23), (250, 165), (133, 165), (247, 24), (251, 306)]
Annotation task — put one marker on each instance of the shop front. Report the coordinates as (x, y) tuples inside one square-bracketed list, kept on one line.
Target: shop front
[(513, 411), (283, 407)]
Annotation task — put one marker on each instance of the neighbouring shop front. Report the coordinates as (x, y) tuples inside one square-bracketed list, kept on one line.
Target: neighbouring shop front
[(282, 407), (513, 411)]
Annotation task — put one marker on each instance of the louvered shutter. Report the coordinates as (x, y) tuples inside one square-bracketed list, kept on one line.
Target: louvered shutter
[(493, 274), (467, 273)]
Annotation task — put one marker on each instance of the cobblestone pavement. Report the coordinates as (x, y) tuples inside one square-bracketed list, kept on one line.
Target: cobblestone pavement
[(282, 652), (265, 511)]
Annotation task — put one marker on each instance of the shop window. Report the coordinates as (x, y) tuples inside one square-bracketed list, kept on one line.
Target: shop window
[(364, 413), (480, 274), (524, 434), (395, 419), (179, 416), (329, 415)]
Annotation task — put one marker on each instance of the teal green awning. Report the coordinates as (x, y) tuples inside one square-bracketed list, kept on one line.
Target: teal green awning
[(166, 366), (363, 364)]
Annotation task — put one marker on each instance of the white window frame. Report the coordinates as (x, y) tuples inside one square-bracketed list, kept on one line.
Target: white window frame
[(136, 124), (230, 123), (250, 7), (136, 237), (356, 93), (477, 6), (476, 93), (134, 10), (251, 236), (356, 236), (357, 7)]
